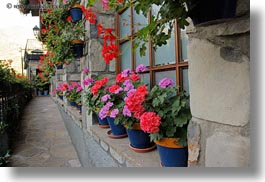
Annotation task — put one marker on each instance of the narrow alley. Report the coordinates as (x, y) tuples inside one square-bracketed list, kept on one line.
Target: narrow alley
[(42, 140)]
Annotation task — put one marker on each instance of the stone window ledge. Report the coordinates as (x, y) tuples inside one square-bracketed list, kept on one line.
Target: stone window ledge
[(119, 149)]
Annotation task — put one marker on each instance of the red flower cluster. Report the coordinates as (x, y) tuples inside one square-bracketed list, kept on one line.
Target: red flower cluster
[(42, 77), (120, 79), (69, 19), (133, 77), (89, 15), (98, 84), (110, 50), (44, 31), (150, 122), (114, 88), (134, 101)]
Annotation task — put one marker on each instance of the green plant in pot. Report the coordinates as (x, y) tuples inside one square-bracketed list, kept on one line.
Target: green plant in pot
[(166, 116)]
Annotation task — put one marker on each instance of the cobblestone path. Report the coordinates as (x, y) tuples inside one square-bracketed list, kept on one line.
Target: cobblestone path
[(42, 140)]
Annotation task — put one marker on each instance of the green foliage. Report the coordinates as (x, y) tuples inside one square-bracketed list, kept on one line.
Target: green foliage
[(92, 102), (40, 84), (161, 24), (61, 33), (174, 111), (3, 127)]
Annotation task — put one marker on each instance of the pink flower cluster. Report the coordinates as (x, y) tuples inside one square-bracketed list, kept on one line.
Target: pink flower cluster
[(166, 82)]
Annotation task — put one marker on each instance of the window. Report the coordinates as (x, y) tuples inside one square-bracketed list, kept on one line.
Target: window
[(170, 60)]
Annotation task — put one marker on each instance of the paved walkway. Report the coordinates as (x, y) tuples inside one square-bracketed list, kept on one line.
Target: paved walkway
[(43, 140)]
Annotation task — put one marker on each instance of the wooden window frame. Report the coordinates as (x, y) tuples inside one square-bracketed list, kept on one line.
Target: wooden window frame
[(152, 68)]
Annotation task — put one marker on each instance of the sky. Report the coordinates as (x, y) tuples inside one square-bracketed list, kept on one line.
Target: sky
[(15, 29)]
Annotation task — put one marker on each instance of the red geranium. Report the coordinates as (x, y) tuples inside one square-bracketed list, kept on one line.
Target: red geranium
[(134, 77), (135, 100), (98, 84), (150, 122), (113, 88), (89, 15)]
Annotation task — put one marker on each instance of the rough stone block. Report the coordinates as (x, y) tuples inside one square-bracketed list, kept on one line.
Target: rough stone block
[(96, 62), (106, 21), (112, 66), (225, 150), (74, 77), (219, 89), (194, 136)]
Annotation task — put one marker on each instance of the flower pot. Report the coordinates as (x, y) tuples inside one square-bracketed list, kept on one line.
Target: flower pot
[(39, 93), (171, 154), (72, 104), (139, 140), (61, 97), (76, 13), (78, 46), (208, 10), (117, 131), (60, 66), (103, 123), (46, 92)]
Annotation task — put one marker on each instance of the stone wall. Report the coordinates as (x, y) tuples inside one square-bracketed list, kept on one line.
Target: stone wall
[(219, 75), (93, 57)]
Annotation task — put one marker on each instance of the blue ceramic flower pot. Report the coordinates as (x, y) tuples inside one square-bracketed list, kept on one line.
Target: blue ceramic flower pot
[(46, 92), (117, 130), (59, 66), (79, 107), (139, 139), (61, 97), (172, 156), (72, 104), (78, 50), (76, 14), (103, 122), (39, 93)]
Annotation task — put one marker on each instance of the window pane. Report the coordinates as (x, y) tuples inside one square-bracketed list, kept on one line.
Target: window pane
[(139, 21), (145, 77), (125, 49), (144, 59), (185, 81), (183, 45), (166, 54), (163, 74), (125, 23)]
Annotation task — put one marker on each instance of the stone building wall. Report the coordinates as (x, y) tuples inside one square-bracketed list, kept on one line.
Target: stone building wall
[(93, 58), (219, 75)]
